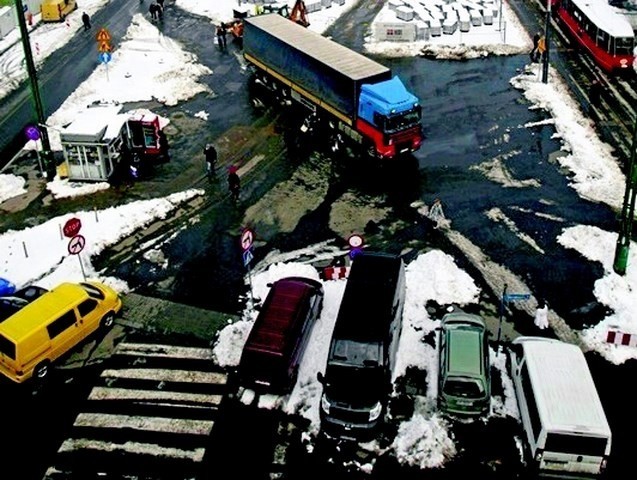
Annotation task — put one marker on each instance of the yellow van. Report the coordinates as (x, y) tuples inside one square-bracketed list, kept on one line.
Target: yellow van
[(52, 324), (56, 10)]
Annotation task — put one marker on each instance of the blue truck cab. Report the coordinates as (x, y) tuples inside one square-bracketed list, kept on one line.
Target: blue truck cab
[(388, 105)]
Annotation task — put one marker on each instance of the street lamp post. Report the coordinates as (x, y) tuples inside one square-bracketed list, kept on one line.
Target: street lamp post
[(628, 211), (47, 154), (545, 64)]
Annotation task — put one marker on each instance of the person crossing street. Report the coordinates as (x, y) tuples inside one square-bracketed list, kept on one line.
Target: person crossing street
[(234, 183), (210, 152)]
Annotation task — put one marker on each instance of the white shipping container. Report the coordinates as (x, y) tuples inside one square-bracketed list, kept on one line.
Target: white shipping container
[(405, 13), (449, 25), (476, 17), (464, 20), (422, 30), (394, 4), (435, 27), (313, 6), (487, 16)]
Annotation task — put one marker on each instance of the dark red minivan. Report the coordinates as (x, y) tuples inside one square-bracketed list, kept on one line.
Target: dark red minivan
[(274, 348)]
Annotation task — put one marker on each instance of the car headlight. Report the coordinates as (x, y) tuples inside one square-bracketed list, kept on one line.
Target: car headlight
[(374, 413), (325, 404)]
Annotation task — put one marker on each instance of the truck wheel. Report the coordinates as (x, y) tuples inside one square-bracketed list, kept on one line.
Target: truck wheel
[(107, 321), (41, 370)]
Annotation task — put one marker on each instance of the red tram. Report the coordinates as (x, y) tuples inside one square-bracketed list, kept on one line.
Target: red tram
[(601, 30)]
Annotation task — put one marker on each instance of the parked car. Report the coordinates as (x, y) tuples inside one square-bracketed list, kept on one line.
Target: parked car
[(11, 304), (30, 292), (566, 432), (362, 354), (464, 379), (51, 324), (274, 349)]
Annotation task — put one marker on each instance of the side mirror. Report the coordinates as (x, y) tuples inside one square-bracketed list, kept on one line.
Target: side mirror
[(320, 377)]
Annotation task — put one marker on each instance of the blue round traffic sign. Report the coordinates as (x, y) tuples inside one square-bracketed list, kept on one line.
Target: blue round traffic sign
[(32, 132)]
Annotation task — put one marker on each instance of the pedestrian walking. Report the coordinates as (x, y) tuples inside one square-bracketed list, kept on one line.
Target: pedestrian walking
[(163, 146), (534, 53), (221, 36), (161, 4), (542, 315), (160, 11), (152, 9), (234, 183), (86, 20), (594, 92), (210, 152), (436, 214)]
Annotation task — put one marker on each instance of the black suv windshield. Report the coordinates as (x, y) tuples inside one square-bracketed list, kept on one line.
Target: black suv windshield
[(354, 384)]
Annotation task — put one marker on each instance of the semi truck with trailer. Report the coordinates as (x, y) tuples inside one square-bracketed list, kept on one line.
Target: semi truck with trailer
[(355, 100)]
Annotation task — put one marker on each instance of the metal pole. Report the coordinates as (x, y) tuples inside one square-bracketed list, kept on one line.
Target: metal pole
[(47, 155), (628, 212), (545, 65), (500, 17), (504, 292), (81, 266)]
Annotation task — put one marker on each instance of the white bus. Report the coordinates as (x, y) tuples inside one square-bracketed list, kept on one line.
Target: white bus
[(565, 426)]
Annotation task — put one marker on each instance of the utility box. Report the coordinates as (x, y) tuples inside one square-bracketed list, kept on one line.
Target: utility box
[(7, 21)]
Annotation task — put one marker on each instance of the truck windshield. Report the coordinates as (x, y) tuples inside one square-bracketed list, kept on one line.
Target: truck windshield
[(354, 385), (400, 121)]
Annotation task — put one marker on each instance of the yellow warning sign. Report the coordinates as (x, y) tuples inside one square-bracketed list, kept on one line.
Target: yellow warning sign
[(103, 35), (104, 47)]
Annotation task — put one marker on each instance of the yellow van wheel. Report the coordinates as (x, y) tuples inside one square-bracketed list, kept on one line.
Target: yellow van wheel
[(41, 370), (107, 321)]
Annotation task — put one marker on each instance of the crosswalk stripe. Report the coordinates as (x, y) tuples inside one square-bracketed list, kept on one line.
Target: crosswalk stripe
[(105, 393), (166, 375), (75, 444), (150, 424), (167, 351)]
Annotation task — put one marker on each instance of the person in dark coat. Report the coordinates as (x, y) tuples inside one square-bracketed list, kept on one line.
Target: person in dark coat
[(535, 54), (161, 4), (86, 20), (152, 9), (221, 35), (234, 182), (210, 153), (163, 146), (594, 92)]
